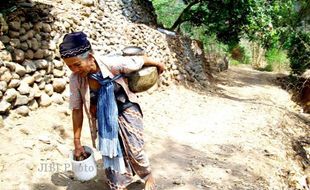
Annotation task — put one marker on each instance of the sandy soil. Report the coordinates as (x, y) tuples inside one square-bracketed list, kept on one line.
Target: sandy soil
[(238, 136)]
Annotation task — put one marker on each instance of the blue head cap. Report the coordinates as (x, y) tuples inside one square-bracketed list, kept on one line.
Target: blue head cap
[(74, 44)]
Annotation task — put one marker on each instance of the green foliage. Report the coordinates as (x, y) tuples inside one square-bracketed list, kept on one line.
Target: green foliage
[(240, 54), (299, 51), (167, 11), (223, 18), (277, 24), (276, 60), (234, 62), (247, 56)]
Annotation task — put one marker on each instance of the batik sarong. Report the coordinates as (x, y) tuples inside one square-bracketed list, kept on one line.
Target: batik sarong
[(132, 143)]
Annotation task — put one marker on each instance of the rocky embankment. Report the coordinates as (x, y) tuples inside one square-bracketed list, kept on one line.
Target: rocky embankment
[(32, 74)]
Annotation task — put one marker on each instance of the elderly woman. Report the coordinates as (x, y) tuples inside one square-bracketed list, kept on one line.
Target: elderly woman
[(97, 86)]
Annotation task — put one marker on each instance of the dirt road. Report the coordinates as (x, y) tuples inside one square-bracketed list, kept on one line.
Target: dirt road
[(239, 136)]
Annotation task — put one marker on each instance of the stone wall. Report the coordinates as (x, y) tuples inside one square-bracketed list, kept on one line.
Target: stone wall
[(30, 76), (32, 73)]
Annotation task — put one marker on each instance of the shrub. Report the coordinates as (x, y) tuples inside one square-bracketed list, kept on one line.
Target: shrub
[(277, 60)]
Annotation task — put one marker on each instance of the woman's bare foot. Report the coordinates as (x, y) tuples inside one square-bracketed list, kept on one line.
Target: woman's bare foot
[(150, 183)]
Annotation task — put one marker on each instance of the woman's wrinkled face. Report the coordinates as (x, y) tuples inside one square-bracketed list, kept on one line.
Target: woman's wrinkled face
[(81, 66)]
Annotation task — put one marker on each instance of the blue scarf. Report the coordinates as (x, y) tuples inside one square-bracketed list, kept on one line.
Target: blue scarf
[(108, 127)]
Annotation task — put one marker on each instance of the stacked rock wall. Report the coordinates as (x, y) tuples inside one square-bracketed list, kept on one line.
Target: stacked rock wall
[(30, 76), (32, 73)]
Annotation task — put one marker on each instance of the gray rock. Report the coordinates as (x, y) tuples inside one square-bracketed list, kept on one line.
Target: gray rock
[(15, 25), (33, 105), (10, 65), (5, 55), (176, 72), (37, 91), (57, 98), (46, 28), (4, 39), (45, 100), (46, 53), (3, 86), (58, 64), (29, 54), (18, 56), (41, 85), (13, 34), (15, 76), (45, 36), (52, 45), (4, 107), (38, 37), (59, 85), (15, 43), (29, 43), (35, 44), (44, 44), (26, 26), (3, 69), (10, 49), (4, 26), (21, 100), (28, 79), (48, 78), (49, 89), (30, 66), (30, 34), (31, 94), (23, 38), (22, 110), (180, 78), (14, 83), (39, 54), (38, 26), (22, 31), (6, 76), (37, 76), (10, 95), (23, 88), (24, 46), (58, 73), (20, 70), (2, 45)]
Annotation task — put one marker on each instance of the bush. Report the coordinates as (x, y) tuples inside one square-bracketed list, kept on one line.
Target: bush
[(299, 51), (241, 54), (276, 60)]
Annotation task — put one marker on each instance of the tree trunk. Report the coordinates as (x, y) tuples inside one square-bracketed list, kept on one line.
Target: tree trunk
[(180, 20)]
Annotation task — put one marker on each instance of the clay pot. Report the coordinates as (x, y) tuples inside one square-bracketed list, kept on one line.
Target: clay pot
[(143, 79)]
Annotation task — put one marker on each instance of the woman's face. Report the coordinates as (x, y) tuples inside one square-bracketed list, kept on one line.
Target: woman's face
[(81, 66)]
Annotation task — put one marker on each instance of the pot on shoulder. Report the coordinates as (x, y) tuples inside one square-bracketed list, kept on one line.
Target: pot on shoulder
[(144, 78)]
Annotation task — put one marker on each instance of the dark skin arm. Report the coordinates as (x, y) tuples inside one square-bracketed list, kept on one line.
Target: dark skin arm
[(77, 119)]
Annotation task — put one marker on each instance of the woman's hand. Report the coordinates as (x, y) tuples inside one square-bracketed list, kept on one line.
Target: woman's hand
[(160, 68), (151, 62)]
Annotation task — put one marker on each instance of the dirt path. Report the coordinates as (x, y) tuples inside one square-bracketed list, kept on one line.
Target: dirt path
[(239, 137)]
